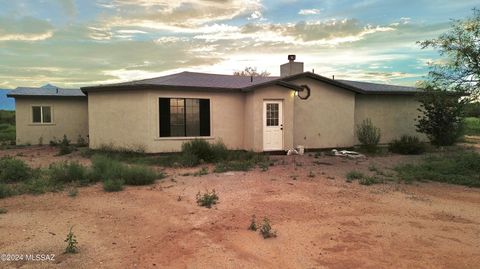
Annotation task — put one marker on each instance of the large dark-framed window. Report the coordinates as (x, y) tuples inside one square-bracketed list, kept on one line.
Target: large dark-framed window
[(184, 117)]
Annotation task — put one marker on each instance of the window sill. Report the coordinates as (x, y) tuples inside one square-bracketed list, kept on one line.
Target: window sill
[(41, 124), (184, 138)]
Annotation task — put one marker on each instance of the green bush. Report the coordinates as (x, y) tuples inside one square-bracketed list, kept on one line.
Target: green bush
[(81, 142), (188, 159), (5, 190), (65, 147), (242, 165), (352, 175), (368, 135), (407, 145), (462, 168), (105, 168), (139, 175), (205, 151), (207, 199), (266, 229), (13, 170), (68, 172), (370, 180), (199, 148), (40, 185), (472, 126), (113, 185)]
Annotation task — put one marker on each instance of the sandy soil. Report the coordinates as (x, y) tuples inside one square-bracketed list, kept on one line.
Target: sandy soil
[(321, 221)]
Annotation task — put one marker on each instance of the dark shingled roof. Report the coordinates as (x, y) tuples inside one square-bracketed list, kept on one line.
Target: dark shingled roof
[(373, 88), (47, 90), (205, 81), (193, 79)]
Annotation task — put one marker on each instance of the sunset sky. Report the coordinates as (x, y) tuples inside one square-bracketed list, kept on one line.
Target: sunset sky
[(76, 43)]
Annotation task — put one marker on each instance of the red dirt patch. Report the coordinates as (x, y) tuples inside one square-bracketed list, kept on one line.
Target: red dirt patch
[(321, 222)]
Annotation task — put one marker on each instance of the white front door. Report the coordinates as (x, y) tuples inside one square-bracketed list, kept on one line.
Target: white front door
[(272, 125)]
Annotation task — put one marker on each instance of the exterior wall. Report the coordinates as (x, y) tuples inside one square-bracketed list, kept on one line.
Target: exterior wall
[(226, 119), (130, 119), (69, 115), (254, 119), (393, 114), (326, 118), (118, 118)]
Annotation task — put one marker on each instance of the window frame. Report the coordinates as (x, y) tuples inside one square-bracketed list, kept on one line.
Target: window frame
[(185, 98), (42, 121)]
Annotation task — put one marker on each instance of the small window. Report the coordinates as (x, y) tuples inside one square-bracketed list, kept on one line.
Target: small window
[(41, 114), (272, 114)]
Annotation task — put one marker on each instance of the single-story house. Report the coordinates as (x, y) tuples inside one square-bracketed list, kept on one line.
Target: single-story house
[(251, 113)]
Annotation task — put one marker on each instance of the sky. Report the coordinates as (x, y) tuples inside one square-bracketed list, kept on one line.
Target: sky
[(74, 43)]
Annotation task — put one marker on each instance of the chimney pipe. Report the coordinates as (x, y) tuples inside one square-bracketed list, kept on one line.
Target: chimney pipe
[(251, 78), (333, 77)]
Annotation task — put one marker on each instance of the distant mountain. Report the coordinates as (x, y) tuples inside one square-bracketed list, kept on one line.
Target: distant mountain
[(6, 103)]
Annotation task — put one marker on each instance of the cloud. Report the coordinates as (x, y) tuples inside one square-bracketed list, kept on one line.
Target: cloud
[(24, 29), (312, 11), (178, 15), (68, 6)]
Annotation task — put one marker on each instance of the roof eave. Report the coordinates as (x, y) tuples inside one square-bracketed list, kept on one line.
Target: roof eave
[(153, 87)]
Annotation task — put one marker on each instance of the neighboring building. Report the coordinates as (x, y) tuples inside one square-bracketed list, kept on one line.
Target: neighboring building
[(251, 113)]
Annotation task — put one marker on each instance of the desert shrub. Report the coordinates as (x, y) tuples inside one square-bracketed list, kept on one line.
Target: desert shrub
[(472, 126), (139, 175), (188, 159), (5, 190), (105, 168), (462, 168), (67, 172), (253, 224), (205, 151), (266, 229), (113, 185), (207, 199), (203, 171), (3, 210), (242, 165), (71, 242), (72, 192), (368, 135), (370, 180), (13, 170), (352, 175), (39, 185), (81, 142), (219, 151), (199, 148), (65, 147), (407, 145)]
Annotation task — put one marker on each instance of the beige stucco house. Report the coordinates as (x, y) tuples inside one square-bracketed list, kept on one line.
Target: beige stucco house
[(251, 113)]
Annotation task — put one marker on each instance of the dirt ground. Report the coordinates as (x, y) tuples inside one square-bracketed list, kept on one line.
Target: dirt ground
[(321, 221)]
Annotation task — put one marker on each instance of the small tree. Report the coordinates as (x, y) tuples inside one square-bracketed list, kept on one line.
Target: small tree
[(442, 115), (460, 69), (368, 135), (251, 71)]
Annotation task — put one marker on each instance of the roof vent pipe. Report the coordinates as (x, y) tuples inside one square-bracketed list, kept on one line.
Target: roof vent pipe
[(333, 77), (251, 78)]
